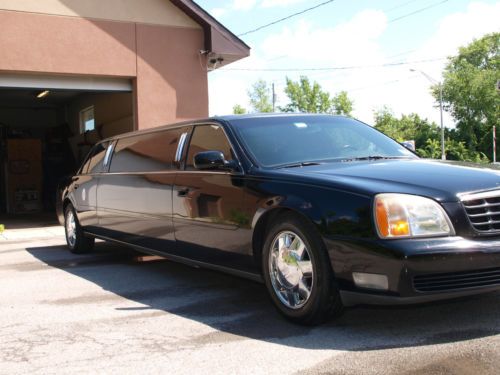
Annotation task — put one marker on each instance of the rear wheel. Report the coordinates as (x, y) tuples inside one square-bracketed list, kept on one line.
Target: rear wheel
[(77, 242), (297, 272)]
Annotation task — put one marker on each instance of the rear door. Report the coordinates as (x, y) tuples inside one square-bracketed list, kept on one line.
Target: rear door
[(135, 196), (84, 186)]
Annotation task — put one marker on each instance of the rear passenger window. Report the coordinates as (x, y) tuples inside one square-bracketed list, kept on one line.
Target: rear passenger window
[(146, 153), (208, 138)]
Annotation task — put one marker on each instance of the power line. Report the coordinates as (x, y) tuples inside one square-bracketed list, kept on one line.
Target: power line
[(400, 5), (286, 18), (417, 11), (386, 83), (399, 63), (402, 53)]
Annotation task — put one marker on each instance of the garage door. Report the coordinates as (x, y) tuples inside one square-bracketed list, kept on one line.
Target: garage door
[(47, 125), (89, 83)]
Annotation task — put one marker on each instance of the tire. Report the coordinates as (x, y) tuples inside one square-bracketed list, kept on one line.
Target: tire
[(297, 272), (77, 242)]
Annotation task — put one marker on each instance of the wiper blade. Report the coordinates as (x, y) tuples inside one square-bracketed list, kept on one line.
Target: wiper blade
[(302, 164), (375, 157)]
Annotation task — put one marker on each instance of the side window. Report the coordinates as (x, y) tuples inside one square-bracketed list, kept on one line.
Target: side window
[(96, 161), (208, 138), (146, 153), (86, 163), (93, 159)]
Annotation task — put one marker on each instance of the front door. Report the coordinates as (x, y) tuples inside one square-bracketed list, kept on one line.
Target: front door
[(210, 224)]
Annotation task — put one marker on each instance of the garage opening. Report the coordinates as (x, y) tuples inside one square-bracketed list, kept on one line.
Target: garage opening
[(46, 131)]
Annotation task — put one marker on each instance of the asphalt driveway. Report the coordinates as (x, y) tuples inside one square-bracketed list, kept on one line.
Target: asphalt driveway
[(114, 312)]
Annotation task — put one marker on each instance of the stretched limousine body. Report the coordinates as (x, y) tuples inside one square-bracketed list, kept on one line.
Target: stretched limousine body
[(325, 210)]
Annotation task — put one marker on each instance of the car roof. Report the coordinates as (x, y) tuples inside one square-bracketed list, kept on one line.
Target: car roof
[(230, 118), (216, 119)]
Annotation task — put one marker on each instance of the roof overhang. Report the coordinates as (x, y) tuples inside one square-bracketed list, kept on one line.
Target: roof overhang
[(221, 46)]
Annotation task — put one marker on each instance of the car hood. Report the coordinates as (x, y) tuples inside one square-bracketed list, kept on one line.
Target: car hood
[(442, 180)]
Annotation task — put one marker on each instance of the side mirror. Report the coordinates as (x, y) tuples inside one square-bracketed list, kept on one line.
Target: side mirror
[(410, 145), (213, 160)]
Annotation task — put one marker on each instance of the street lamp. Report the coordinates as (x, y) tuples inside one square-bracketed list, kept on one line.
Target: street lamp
[(440, 85)]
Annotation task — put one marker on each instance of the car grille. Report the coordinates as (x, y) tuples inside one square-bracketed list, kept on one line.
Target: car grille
[(457, 280), (483, 210)]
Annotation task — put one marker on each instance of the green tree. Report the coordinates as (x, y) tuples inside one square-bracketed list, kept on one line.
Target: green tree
[(342, 104), (260, 97), (407, 127), (239, 110), (431, 149), (469, 92), (307, 97), (427, 137)]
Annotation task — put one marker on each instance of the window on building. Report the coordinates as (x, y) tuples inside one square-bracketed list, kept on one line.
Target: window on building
[(87, 120)]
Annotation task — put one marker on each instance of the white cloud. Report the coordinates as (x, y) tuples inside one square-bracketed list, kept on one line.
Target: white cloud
[(357, 41), (218, 12), (274, 3), (454, 30), (243, 4), (348, 42)]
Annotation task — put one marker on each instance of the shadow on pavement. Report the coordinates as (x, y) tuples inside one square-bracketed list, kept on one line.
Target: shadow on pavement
[(26, 221), (241, 309)]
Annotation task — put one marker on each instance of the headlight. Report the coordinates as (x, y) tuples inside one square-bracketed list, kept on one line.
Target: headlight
[(403, 215)]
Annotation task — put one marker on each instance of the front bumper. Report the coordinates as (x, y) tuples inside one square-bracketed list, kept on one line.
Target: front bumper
[(418, 270)]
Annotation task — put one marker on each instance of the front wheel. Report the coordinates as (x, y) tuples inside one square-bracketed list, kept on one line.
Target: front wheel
[(298, 274), (77, 242)]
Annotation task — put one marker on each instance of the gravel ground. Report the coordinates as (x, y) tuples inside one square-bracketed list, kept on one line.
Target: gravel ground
[(111, 312)]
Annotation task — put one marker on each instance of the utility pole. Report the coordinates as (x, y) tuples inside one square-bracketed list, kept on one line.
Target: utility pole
[(443, 153), (274, 99), (494, 144), (440, 85)]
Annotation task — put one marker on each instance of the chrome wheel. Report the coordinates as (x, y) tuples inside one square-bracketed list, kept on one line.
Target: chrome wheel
[(70, 228), (291, 269)]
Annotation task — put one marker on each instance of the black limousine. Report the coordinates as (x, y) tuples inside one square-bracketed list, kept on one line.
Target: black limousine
[(325, 210)]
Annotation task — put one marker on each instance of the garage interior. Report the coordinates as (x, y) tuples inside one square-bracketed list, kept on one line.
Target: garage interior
[(45, 132)]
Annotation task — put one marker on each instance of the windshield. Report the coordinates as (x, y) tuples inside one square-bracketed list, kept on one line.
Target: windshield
[(290, 140)]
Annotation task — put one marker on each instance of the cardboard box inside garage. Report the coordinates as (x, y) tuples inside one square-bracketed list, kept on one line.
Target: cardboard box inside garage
[(24, 175)]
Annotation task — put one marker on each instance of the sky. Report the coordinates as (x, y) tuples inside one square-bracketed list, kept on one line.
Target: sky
[(363, 37)]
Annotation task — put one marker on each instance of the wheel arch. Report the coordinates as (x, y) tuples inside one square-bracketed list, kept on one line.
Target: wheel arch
[(66, 202), (264, 218)]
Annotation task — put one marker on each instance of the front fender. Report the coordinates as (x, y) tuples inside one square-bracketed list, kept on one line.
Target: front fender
[(334, 212)]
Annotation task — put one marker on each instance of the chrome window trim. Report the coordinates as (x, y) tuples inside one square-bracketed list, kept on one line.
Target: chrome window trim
[(107, 156), (180, 147)]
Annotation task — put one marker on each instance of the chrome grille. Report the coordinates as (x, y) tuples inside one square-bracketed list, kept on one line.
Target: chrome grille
[(483, 210)]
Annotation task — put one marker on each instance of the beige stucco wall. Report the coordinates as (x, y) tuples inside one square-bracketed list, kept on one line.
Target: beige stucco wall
[(40, 43), (172, 80), (169, 75), (160, 12)]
